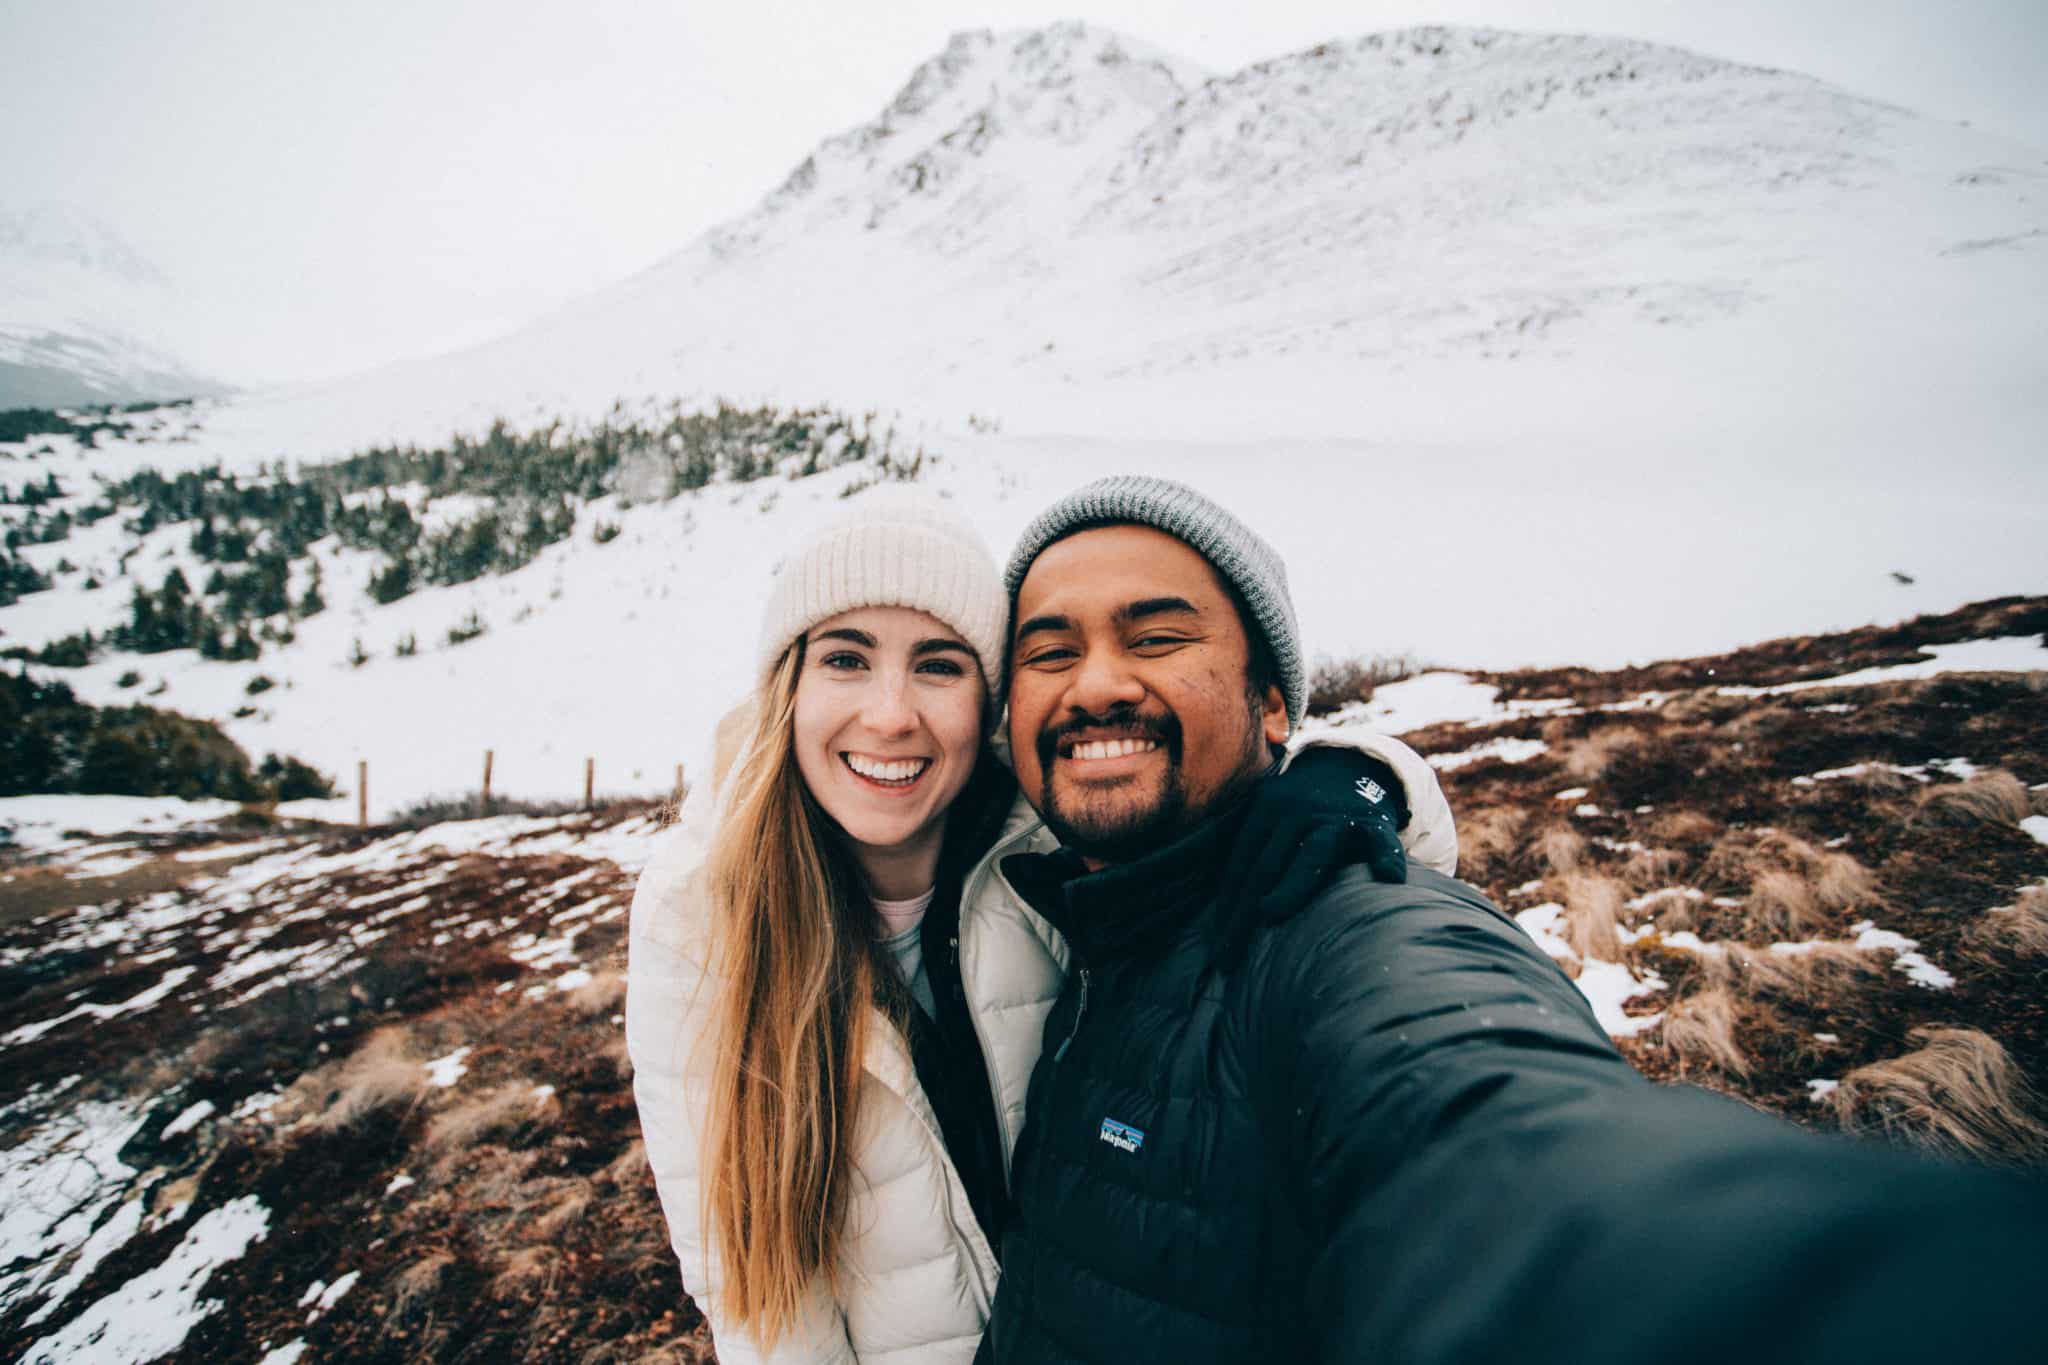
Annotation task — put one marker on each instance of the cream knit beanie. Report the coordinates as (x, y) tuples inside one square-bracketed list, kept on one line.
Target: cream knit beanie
[(892, 548)]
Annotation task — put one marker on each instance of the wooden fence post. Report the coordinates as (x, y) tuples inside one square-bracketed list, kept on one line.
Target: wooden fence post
[(362, 792), (589, 780), (487, 782)]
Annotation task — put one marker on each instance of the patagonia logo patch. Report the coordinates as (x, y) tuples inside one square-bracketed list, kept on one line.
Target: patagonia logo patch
[(1122, 1136)]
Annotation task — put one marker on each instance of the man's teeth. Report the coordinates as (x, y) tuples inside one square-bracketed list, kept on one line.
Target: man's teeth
[(1113, 748), (894, 770)]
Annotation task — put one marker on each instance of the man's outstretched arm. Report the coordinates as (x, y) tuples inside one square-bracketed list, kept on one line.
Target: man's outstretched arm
[(1484, 1178)]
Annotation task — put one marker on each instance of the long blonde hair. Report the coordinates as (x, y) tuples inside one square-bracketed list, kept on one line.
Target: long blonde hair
[(796, 981)]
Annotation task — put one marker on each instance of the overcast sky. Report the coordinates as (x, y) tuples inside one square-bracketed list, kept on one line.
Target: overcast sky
[(344, 184)]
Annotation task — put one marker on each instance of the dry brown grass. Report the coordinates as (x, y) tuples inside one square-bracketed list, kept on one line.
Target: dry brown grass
[(1592, 915), (1489, 840), (1589, 759), (630, 1167), (1842, 883), (415, 1285), (1993, 798), (1674, 913), (505, 1109), (1685, 828), (1561, 848), (1700, 1029), (527, 1273), (2019, 929), (1653, 867), (1958, 1092), (383, 1072), (1782, 906), (602, 994), (567, 1210), (1826, 977)]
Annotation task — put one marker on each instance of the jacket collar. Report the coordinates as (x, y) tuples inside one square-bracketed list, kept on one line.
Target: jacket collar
[(1128, 909)]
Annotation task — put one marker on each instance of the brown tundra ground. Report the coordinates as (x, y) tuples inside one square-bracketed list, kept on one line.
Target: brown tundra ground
[(273, 1094)]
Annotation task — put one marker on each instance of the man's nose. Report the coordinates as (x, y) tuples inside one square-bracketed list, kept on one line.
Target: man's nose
[(1102, 682)]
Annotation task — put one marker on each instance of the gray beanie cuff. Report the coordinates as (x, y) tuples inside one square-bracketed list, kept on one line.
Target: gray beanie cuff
[(1251, 566)]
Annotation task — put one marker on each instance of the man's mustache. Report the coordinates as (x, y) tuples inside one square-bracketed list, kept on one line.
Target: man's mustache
[(1125, 721)]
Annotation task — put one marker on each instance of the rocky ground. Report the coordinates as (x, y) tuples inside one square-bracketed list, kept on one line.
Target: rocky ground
[(273, 1093)]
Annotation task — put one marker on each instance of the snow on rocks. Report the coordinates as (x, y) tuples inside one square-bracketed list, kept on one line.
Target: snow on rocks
[(150, 1316), (444, 1072), (1607, 986)]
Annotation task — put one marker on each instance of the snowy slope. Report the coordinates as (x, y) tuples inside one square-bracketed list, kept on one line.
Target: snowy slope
[(1521, 349), (82, 316), (1072, 232)]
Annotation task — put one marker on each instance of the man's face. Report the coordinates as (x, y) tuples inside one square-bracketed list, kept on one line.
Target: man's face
[(1131, 712)]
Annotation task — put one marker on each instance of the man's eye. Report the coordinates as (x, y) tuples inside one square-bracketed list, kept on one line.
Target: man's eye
[(842, 659), (1157, 641), (1053, 655)]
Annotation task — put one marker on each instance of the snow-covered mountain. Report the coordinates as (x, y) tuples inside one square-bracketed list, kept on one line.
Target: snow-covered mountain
[(1072, 231), (1521, 349), (81, 316)]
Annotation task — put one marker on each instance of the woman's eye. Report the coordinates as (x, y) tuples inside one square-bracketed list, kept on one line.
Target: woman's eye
[(842, 659), (945, 668)]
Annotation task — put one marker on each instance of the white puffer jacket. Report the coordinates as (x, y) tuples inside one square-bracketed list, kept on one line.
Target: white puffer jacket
[(920, 1275)]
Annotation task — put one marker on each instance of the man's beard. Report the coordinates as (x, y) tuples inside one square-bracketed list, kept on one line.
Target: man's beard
[(1127, 830)]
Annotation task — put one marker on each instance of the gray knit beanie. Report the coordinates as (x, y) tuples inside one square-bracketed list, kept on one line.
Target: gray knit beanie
[(891, 549), (1247, 562)]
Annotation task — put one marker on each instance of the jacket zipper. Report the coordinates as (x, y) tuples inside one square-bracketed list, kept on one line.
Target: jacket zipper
[(1080, 1013)]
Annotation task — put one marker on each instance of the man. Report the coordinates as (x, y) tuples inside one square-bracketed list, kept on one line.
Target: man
[(1388, 1129)]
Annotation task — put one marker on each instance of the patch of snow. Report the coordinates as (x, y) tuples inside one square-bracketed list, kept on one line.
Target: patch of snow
[(1438, 698), (2036, 825), (107, 1238), (399, 1182), (172, 979), (543, 1093), (324, 1297), (1818, 1090), (150, 1316), (2000, 654), (446, 1071), (1827, 1038), (1571, 794), (208, 855), (1505, 750), (1607, 986), (1586, 810), (287, 1354), (1907, 957), (189, 1119), (569, 981), (43, 824)]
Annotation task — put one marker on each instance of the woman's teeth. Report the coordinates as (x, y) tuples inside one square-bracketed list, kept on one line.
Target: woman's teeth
[(898, 772), (1113, 748)]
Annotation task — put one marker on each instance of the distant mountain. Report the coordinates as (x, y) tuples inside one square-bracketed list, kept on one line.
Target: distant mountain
[(1075, 231), (77, 306)]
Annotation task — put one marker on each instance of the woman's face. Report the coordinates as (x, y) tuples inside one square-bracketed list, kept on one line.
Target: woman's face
[(888, 724)]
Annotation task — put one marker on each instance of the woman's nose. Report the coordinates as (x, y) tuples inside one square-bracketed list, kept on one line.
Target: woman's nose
[(887, 709)]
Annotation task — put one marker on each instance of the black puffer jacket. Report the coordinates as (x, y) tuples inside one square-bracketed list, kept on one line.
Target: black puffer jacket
[(1395, 1132)]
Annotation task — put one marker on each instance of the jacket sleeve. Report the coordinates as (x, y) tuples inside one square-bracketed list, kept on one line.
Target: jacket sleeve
[(1481, 1176), (668, 1003), (1431, 837)]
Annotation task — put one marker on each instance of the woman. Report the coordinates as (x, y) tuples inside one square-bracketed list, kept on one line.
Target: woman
[(836, 1000)]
